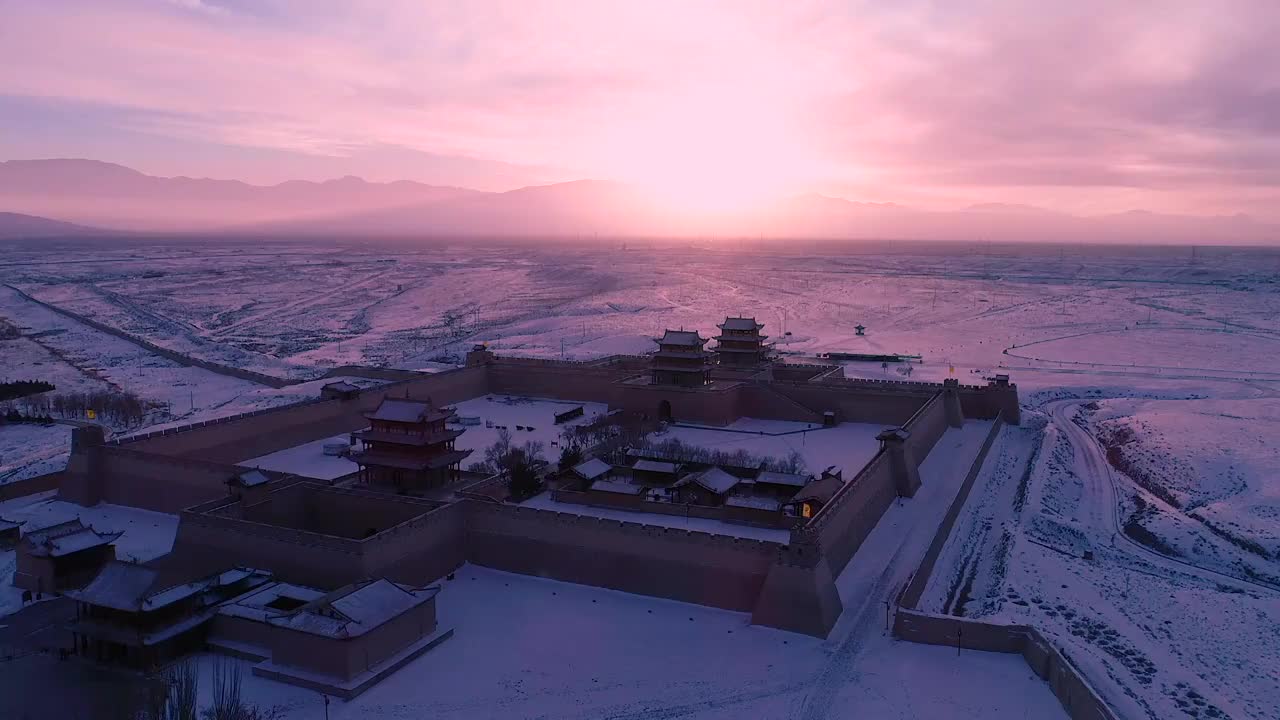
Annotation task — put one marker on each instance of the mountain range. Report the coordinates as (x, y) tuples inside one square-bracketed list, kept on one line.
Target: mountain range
[(87, 194), (16, 226)]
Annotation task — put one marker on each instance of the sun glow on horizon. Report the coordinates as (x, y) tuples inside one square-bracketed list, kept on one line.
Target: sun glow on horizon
[(715, 153)]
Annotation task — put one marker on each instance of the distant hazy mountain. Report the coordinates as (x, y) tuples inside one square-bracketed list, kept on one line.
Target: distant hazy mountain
[(16, 226), (824, 217), (582, 208), (114, 196)]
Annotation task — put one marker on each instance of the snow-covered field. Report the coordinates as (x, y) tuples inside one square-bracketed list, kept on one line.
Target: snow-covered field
[(1168, 616), (1165, 355), (27, 450)]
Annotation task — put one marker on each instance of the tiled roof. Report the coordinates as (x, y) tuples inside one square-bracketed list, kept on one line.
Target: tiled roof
[(681, 337), (740, 323)]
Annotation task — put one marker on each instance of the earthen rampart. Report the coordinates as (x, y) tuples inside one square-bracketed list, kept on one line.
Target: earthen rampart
[(845, 521), (125, 476), (691, 566), (258, 433), (926, 426)]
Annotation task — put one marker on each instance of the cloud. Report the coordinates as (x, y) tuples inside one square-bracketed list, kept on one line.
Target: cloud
[(198, 6), (1162, 102)]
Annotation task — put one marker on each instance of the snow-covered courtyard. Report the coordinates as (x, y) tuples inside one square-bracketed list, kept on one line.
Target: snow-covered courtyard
[(526, 419), (310, 459), (847, 446)]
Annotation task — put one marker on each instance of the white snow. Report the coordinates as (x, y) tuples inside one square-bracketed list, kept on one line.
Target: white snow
[(308, 459), (513, 411), (27, 450), (526, 647), (147, 535), (1184, 344), (848, 445)]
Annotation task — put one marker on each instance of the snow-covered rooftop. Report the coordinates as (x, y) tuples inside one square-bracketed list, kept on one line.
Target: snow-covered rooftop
[(119, 586), (681, 337), (716, 480), (592, 469), (740, 323), (355, 610), (655, 466), (131, 587), (780, 478), (252, 478), (408, 411), (78, 541), (66, 538)]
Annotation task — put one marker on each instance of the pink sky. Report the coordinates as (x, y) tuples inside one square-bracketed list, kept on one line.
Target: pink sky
[(1087, 106)]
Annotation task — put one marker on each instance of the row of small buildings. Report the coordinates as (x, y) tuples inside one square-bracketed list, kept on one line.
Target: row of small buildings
[(647, 481)]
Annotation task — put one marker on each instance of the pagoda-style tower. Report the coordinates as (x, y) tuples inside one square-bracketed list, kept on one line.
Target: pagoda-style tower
[(740, 343), (681, 360), (408, 446)]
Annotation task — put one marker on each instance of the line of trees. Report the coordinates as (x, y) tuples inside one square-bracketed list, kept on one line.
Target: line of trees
[(675, 449), (175, 694), (22, 388), (521, 464), (117, 407)]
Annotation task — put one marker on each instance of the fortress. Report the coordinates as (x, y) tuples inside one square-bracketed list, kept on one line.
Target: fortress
[(305, 531)]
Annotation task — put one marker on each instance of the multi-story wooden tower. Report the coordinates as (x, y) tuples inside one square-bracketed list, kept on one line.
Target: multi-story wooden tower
[(408, 446), (741, 344), (681, 360)]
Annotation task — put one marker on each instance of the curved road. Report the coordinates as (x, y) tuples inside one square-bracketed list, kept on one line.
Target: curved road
[(1099, 505)]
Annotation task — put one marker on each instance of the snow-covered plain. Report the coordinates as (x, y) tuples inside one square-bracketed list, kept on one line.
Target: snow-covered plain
[(1178, 348), (27, 450)]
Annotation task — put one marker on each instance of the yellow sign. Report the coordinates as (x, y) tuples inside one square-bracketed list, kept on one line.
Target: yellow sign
[(91, 413)]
